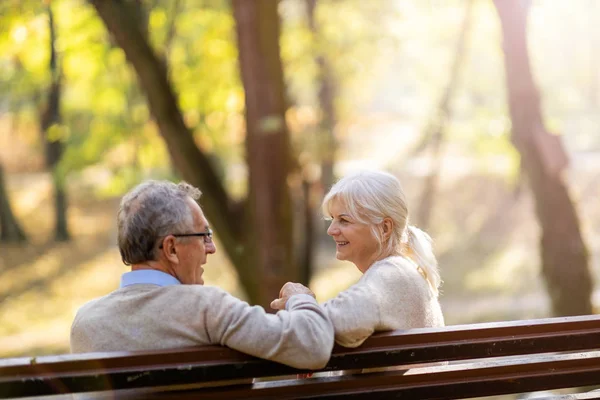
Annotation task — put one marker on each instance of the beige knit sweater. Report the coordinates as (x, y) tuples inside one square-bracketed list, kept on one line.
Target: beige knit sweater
[(146, 316), (392, 294)]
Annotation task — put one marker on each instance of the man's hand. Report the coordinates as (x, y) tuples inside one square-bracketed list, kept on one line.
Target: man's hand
[(288, 290)]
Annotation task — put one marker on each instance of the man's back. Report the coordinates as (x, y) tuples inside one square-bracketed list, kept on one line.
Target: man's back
[(162, 302), (147, 316)]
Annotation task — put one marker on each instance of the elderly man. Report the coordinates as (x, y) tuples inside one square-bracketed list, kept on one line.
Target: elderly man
[(162, 303)]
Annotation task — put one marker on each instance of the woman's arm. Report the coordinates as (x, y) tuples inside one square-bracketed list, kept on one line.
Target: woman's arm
[(354, 314)]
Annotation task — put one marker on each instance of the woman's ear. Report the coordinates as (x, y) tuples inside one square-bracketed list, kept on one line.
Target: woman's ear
[(388, 227)]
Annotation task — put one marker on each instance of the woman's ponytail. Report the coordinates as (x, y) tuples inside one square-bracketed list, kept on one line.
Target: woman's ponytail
[(419, 249)]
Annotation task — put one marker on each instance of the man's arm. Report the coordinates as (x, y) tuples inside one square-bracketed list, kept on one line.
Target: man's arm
[(300, 336)]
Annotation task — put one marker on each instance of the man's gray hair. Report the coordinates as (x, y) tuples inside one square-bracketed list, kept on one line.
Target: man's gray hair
[(150, 211)]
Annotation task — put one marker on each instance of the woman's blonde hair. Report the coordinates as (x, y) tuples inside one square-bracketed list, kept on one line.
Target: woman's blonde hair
[(371, 196)]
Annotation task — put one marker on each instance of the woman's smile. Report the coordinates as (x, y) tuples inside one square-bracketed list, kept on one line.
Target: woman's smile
[(346, 230)]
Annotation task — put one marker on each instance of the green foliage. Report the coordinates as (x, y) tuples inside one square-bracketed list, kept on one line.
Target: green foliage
[(103, 111), (346, 37), (347, 40), (203, 66), (384, 56), (58, 132)]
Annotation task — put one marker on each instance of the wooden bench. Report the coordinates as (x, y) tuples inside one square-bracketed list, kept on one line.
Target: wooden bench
[(481, 360)]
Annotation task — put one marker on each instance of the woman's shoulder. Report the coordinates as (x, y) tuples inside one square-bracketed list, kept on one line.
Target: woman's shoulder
[(392, 264), (393, 271)]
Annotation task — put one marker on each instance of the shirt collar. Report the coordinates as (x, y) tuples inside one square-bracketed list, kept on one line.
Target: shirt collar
[(148, 276)]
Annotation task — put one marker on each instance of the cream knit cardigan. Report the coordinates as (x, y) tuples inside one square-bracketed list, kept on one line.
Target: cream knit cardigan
[(391, 294), (146, 316)]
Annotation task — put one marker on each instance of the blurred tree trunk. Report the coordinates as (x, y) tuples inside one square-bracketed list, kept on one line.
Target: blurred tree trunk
[(563, 251), (49, 119), (257, 233), (268, 148), (435, 134), (10, 231), (327, 89), (140, 15), (133, 96)]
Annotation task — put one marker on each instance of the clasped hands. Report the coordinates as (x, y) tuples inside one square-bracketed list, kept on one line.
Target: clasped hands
[(287, 291)]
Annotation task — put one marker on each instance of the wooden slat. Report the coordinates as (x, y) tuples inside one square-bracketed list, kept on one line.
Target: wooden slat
[(506, 376), (413, 336), (90, 372), (575, 396)]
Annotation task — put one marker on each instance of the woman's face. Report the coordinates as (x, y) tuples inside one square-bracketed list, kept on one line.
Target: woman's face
[(354, 240)]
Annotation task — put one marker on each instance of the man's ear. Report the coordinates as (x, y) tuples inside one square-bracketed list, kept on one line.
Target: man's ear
[(169, 249), (388, 227)]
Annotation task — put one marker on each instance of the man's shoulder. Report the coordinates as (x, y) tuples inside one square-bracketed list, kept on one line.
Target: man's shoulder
[(90, 304), (140, 299), (191, 290), (134, 291), (141, 292)]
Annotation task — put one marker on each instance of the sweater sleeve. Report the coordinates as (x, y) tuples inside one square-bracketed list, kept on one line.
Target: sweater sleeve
[(300, 336), (354, 314)]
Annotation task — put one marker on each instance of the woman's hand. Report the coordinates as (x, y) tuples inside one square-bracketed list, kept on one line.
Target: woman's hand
[(287, 291)]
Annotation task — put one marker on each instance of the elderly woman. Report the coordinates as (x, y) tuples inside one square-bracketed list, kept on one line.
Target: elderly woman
[(399, 286)]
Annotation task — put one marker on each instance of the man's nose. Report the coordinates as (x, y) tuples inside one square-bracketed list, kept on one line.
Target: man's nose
[(211, 248)]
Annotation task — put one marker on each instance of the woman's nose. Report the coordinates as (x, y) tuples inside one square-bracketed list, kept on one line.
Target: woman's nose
[(332, 230)]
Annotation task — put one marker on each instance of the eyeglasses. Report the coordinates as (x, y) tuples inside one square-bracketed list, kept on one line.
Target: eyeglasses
[(206, 235)]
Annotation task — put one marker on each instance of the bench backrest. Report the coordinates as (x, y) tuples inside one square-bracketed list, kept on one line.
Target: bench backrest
[(212, 364)]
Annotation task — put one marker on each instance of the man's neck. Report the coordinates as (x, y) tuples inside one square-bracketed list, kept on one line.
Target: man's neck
[(153, 265)]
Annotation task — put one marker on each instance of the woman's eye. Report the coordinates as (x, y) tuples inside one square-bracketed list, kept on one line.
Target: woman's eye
[(343, 221)]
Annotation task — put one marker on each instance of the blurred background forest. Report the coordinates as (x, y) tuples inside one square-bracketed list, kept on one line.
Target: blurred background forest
[(488, 112)]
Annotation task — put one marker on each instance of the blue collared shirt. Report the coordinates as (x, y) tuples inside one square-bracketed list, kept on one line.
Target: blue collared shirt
[(148, 276)]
